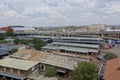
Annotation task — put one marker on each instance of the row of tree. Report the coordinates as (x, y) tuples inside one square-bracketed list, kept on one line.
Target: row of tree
[(37, 43), (6, 34)]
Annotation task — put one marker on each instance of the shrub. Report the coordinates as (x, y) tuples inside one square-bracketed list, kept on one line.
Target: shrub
[(50, 72), (109, 56), (13, 51), (85, 71)]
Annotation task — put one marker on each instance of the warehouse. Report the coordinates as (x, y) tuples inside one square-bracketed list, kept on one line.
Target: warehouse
[(80, 40), (73, 48)]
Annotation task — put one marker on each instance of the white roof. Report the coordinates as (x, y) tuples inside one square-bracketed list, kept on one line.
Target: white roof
[(80, 38), (18, 63), (24, 28), (37, 36), (78, 45), (84, 50), (75, 49)]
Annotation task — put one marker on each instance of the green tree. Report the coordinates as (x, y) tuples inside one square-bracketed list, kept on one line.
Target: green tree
[(85, 71), (3, 42), (16, 41), (9, 33), (13, 51), (50, 71), (37, 43), (109, 56), (25, 42), (2, 36)]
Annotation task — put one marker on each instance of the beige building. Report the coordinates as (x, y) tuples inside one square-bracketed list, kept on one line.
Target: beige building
[(97, 27), (11, 68)]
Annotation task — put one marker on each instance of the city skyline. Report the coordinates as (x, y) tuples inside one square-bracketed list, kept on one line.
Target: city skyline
[(59, 12)]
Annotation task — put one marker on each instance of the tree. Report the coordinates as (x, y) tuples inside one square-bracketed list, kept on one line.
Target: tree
[(109, 56), (16, 41), (13, 50), (25, 42), (85, 71), (37, 43), (50, 71), (9, 33), (2, 36), (3, 42)]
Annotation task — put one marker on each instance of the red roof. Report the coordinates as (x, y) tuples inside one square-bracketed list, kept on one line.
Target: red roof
[(5, 28), (112, 69)]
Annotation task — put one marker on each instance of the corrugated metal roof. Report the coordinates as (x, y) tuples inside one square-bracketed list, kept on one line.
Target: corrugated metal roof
[(18, 63), (8, 47), (81, 38), (84, 50), (76, 41), (60, 61), (3, 52), (78, 45)]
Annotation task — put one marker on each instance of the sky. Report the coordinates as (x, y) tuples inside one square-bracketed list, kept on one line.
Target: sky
[(59, 12)]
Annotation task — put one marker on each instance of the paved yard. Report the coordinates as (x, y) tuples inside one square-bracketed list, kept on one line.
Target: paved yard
[(115, 50)]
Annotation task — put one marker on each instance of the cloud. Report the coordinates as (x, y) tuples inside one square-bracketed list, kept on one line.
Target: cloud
[(113, 7), (58, 12)]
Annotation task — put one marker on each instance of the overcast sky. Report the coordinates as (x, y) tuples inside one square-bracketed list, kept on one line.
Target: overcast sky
[(59, 12)]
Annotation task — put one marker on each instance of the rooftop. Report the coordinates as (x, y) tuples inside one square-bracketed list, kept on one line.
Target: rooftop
[(17, 63), (77, 41), (81, 38), (3, 51), (8, 47), (112, 69), (29, 54), (62, 61), (77, 45), (74, 49)]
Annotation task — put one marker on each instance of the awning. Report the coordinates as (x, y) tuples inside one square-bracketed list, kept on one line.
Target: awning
[(61, 71)]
